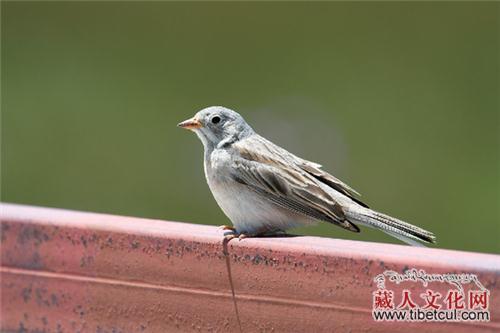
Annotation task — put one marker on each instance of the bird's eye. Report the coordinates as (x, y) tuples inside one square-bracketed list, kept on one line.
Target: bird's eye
[(215, 120)]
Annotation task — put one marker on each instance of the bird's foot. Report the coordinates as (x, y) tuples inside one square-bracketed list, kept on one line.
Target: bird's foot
[(229, 232), (230, 236), (232, 233)]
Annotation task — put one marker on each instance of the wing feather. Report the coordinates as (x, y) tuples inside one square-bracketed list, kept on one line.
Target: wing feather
[(279, 179), (257, 148)]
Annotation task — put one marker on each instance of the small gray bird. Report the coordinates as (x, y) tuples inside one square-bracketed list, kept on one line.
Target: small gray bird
[(264, 189)]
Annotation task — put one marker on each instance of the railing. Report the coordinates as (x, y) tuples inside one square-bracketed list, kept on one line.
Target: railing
[(66, 271)]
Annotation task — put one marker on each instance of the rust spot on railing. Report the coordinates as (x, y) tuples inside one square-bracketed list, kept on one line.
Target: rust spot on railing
[(84, 272)]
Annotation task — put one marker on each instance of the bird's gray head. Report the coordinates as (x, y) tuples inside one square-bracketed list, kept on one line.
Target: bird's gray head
[(217, 126)]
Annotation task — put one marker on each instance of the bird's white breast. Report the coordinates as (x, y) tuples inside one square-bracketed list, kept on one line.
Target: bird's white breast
[(249, 211)]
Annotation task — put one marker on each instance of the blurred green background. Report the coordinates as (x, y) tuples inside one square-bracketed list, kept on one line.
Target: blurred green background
[(400, 100)]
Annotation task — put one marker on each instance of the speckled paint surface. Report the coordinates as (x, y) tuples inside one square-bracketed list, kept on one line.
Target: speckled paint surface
[(65, 271)]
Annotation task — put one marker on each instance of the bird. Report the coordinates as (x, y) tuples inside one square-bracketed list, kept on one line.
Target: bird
[(264, 190)]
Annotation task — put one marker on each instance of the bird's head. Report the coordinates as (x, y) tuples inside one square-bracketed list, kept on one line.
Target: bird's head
[(217, 126)]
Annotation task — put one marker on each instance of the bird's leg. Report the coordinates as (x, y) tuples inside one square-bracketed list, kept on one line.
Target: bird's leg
[(230, 232)]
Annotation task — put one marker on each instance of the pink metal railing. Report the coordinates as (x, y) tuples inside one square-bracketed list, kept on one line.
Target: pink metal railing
[(84, 272)]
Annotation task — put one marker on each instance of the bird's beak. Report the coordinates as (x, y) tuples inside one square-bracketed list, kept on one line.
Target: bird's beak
[(190, 124)]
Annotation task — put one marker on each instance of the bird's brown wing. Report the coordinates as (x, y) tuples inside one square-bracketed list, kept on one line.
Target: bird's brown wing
[(257, 147), (278, 178)]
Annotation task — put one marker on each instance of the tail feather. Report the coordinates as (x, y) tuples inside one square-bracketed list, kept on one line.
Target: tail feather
[(392, 226)]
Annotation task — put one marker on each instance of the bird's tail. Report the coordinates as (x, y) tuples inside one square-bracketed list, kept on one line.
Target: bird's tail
[(403, 231)]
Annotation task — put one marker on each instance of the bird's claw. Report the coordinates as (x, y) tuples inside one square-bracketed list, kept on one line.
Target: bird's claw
[(228, 237), (231, 235)]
